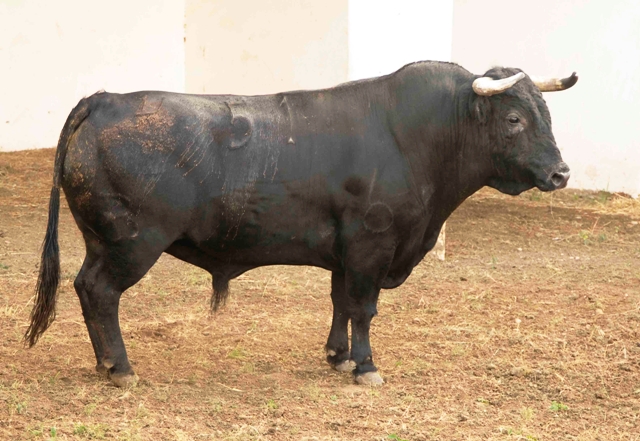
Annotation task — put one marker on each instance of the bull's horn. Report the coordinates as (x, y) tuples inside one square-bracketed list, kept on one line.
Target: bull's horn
[(488, 86), (554, 84)]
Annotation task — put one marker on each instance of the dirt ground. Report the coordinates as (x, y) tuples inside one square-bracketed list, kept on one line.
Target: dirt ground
[(530, 330)]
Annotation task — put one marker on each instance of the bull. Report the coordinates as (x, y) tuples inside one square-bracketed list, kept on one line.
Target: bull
[(357, 179)]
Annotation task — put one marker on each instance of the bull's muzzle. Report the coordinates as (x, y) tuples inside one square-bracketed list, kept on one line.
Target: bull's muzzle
[(560, 176)]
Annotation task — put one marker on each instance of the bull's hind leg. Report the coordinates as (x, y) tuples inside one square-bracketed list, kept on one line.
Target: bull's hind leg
[(337, 347), (108, 270)]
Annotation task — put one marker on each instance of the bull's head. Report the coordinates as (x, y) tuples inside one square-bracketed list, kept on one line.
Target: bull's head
[(517, 123)]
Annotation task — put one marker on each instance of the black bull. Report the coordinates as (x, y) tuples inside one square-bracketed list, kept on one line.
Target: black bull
[(357, 179)]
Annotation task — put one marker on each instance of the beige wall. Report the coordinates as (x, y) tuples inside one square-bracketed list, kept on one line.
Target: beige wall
[(258, 47), (595, 123), (52, 53)]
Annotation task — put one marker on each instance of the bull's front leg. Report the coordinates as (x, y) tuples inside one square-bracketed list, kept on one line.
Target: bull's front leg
[(366, 258), (337, 347), (362, 294)]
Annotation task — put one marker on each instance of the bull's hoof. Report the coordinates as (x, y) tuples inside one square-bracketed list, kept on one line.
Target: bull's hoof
[(345, 366), (338, 362), (369, 379), (102, 370), (125, 380)]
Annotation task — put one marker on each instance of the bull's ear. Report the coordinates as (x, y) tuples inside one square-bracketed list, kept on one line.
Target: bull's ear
[(480, 109)]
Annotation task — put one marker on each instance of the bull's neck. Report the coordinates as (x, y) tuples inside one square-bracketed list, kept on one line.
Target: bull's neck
[(435, 130)]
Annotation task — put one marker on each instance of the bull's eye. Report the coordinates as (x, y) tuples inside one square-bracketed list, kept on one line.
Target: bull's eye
[(514, 119)]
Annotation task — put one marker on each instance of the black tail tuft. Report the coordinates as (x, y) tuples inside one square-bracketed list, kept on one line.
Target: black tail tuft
[(44, 308), (220, 291)]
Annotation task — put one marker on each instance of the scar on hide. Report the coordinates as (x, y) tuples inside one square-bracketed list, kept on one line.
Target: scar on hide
[(286, 103), (149, 106), (240, 131), (373, 182), (378, 218)]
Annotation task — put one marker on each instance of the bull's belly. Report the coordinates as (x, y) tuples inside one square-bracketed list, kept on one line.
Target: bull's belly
[(294, 252), (267, 239)]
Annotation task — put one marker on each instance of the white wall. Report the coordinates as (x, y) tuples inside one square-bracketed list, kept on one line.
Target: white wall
[(52, 53), (596, 122), (384, 35), (257, 47)]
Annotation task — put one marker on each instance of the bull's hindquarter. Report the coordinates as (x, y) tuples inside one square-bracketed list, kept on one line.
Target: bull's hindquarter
[(232, 183)]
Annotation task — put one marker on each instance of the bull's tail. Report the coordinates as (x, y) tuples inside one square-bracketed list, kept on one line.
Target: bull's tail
[(44, 308)]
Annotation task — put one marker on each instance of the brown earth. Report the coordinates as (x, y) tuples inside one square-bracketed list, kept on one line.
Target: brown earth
[(529, 331)]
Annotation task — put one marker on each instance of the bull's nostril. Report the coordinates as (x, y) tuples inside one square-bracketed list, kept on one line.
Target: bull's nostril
[(557, 179), (560, 180)]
